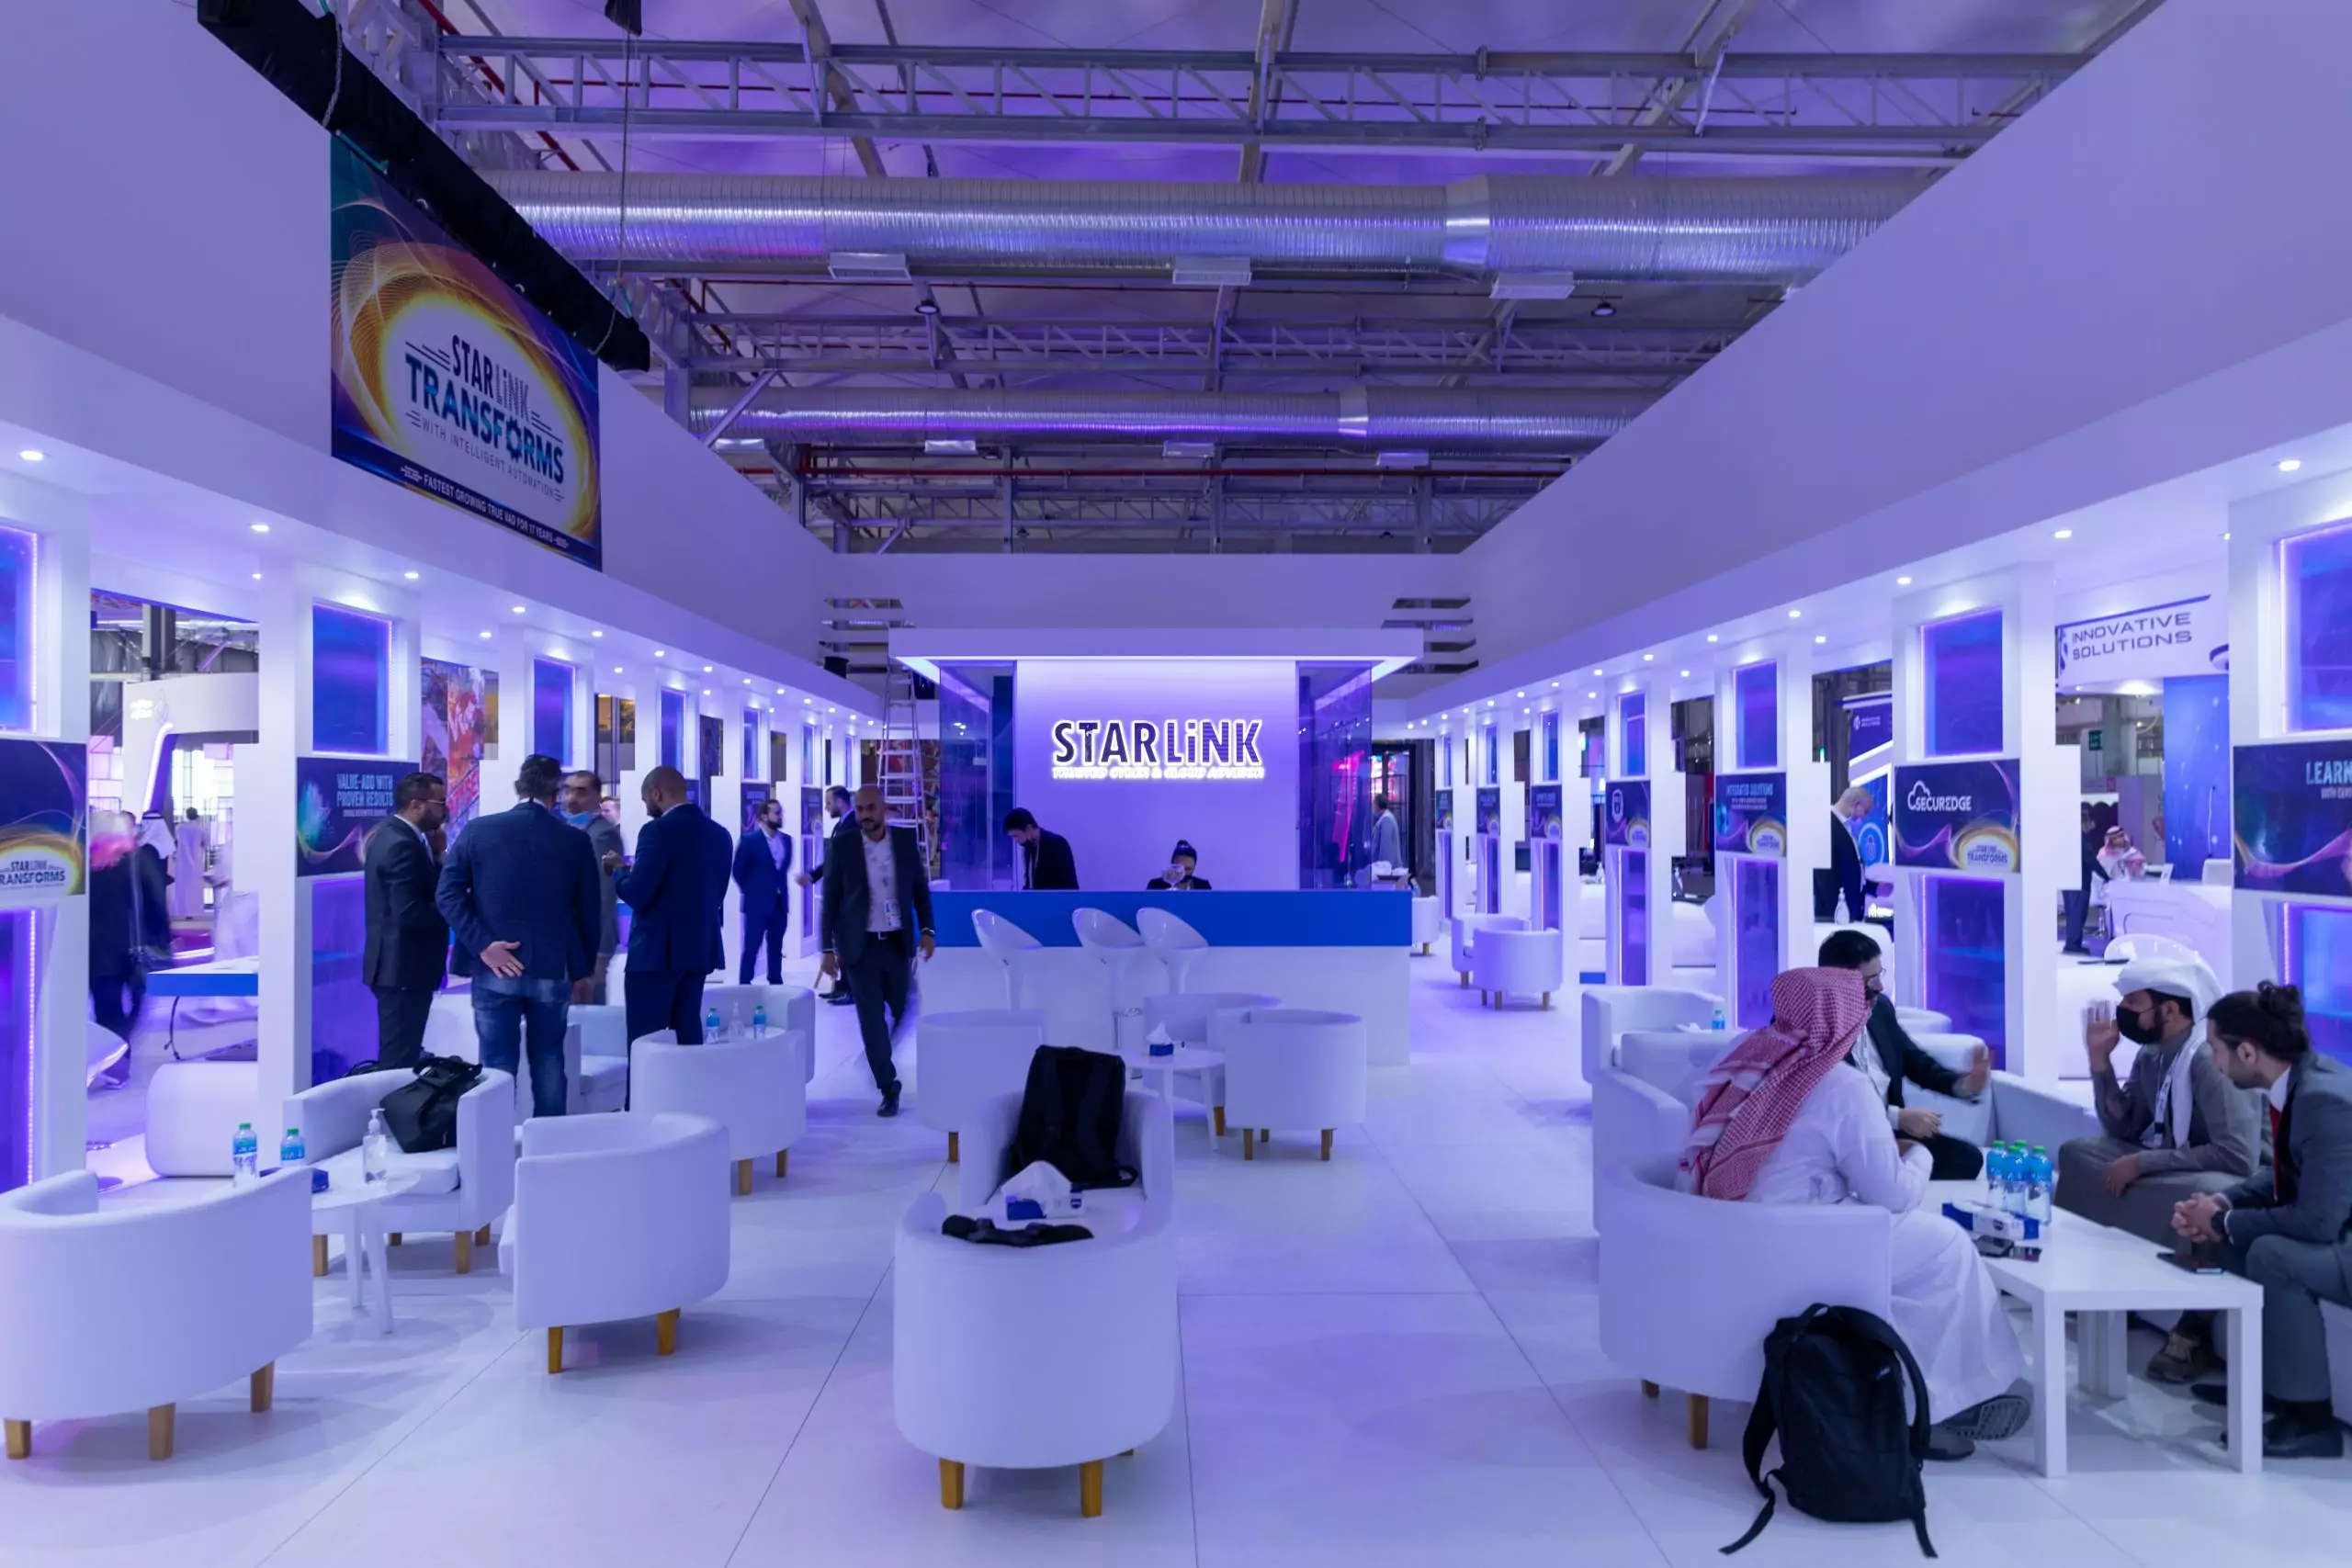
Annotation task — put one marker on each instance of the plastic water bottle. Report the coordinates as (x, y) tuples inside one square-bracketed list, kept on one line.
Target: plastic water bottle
[(2037, 1188), (1719, 1018), (291, 1151), (245, 1157), (759, 1020), (376, 1148), (712, 1028), (2000, 1170)]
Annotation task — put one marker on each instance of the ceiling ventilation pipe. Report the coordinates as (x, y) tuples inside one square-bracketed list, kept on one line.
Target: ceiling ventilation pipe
[(1365, 417), (1711, 230)]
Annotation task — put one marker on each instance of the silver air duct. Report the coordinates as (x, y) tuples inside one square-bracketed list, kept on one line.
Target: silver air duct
[(1361, 416), (1770, 231)]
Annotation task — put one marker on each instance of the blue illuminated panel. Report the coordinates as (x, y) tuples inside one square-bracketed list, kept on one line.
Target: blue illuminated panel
[(1494, 757), (343, 1010), (1631, 725), (551, 709), (1963, 682), (1634, 903), (1551, 746), (1964, 959), (17, 969), (19, 556), (1755, 693), (2318, 959), (350, 662), (2316, 572), (1756, 908), (673, 724)]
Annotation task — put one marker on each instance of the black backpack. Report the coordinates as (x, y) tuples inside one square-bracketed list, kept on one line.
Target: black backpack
[(1070, 1117), (423, 1115), (1834, 1383)]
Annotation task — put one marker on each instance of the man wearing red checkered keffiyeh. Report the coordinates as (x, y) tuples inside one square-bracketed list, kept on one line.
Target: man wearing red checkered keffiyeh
[(1748, 1099)]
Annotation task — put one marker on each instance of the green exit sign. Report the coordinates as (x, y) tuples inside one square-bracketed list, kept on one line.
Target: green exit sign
[(2098, 739)]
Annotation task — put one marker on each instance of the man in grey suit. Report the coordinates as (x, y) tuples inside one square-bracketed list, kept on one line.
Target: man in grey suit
[(583, 793), (2289, 1228)]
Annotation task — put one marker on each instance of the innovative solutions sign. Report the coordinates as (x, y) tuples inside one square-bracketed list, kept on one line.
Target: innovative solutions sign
[(449, 383), (2184, 638)]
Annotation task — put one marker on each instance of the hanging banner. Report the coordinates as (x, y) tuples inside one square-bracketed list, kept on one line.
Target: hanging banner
[(1752, 814), (448, 382), (1543, 820), (2187, 636), (2292, 810), (1625, 814), (338, 800), (1490, 810), (1958, 816), (44, 821)]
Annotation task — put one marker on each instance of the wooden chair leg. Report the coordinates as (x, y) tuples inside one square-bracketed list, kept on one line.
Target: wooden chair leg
[(1219, 1113), (317, 1258), (393, 1239), (1090, 1489), (482, 1236), (159, 1431), (1547, 1002), (743, 1179), (1266, 1136), (465, 1245), (951, 1484), (261, 1389), (21, 1439), (783, 1162), (1327, 1143), (1650, 1389), (1249, 1142), (1698, 1413), (665, 1333), (554, 1349), (955, 1157)]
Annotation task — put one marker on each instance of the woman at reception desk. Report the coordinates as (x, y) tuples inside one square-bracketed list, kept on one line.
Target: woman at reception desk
[(1343, 949)]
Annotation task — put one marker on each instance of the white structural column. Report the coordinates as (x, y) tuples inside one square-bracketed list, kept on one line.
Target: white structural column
[(1933, 967), (1783, 746), (59, 931), (266, 860), (1664, 782)]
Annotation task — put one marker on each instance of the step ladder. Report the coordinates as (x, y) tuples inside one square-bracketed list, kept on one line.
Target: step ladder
[(904, 787)]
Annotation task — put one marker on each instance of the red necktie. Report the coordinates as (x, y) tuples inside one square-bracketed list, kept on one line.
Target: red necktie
[(2277, 1151)]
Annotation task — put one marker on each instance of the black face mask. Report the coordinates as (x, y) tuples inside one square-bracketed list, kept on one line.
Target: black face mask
[(2133, 1027)]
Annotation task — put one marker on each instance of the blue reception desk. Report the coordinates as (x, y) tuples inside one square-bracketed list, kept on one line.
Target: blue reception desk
[(1344, 950)]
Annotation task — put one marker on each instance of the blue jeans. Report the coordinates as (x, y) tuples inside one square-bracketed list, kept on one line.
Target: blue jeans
[(510, 1015)]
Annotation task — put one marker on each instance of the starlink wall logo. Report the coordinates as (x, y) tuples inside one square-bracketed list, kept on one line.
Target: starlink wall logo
[(1159, 748)]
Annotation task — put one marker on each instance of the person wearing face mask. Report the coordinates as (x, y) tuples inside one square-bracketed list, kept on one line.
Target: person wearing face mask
[(1179, 877), (2176, 1128), (584, 808), (1892, 1058)]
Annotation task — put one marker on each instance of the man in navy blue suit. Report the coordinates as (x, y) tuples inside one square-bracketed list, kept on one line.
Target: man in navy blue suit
[(521, 894), (763, 871), (674, 891)]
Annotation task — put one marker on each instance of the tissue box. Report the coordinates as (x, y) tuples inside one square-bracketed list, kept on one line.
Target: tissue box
[(1017, 1209), (1164, 1048), (1983, 1219)]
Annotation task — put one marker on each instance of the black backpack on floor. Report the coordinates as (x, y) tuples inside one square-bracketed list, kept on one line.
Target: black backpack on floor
[(423, 1115), (1833, 1389), (1070, 1117)]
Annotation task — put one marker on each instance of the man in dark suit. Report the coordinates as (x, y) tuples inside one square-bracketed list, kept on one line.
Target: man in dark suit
[(839, 805), (1846, 855), (675, 890), (408, 942), (1046, 863), (519, 891), (764, 875), (876, 914), (1899, 1060), (2289, 1228)]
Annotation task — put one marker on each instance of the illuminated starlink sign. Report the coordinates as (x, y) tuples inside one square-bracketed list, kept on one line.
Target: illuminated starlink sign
[(1162, 748)]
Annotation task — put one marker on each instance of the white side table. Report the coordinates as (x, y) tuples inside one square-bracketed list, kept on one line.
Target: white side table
[(361, 1208), (1183, 1059)]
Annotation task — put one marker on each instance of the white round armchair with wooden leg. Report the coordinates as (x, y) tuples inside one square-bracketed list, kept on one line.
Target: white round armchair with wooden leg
[(752, 1086), (965, 1059), (1039, 1357), (142, 1307), (1291, 1068), (1518, 964)]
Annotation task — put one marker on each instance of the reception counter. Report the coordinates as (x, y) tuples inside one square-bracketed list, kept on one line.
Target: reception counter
[(1347, 951)]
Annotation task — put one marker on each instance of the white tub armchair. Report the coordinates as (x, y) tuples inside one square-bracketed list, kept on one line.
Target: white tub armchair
[(141, 1307), (617, 1217), (1518, 964), (965, 1059), (1641, 1107), (751, 1085), (461, 1190), (1689, 1286), (1033, 1358), (1291, 1068), (1611, 1010), (1465, 937)]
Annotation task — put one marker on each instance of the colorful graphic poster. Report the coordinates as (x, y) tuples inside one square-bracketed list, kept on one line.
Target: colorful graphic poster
[(2292, 806), (44, 821), (1490, 811), (1625, 814), (1958, 816), (448, 382), (1871, 834), (455, 725), (338, 800), (1752, 814), (1544, 812), (1444, 808)]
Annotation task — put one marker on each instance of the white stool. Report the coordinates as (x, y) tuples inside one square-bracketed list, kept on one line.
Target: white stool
[(1115, 942), (1178, 945), (963, 1060), (1010, 947)]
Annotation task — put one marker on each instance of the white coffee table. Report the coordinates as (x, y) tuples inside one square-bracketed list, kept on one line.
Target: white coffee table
[(1183, 1059), (360, 1209), (2100, 1275)]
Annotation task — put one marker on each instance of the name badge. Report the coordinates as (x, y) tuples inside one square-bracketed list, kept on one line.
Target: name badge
[(890, 908)]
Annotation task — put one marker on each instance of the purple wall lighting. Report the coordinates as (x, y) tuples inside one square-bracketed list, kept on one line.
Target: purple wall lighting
[(752, 758), (1632, 727), (2318, 958), (1755, 693), (1634, 916), (551, 683), (18, 965), (343, 1010), (673, 725), (1964, 685), (2315, 571), (20, 554), (1551, 746), (351, 662), (1756, 910), (1964, 958), (1494, 754)]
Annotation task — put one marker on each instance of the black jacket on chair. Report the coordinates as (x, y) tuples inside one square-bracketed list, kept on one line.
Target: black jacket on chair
[(408, 940), (848, 902), (1901, 1058)]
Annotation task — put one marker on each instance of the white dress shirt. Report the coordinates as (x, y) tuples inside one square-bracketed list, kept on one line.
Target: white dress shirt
[(882, 884)]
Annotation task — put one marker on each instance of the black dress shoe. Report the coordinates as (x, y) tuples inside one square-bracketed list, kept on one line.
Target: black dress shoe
[(840, 998), (2219, 1394), (889, 1104), (2301, 1436)]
